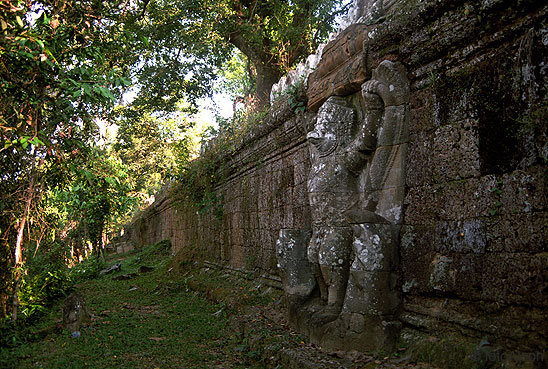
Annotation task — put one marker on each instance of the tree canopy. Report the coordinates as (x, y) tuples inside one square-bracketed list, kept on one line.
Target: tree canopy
[(191, 40)]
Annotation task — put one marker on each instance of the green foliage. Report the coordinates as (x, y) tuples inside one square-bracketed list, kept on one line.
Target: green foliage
[(57, 77), (98, 193), (445, 351), (535, 119), (87, 269), (297, 105), (41, 288), (45, 278), (190, 42), (156, 319), (63, 67), (497, 193), (55, 70), (237, 78), (198, 179), (151, 148)]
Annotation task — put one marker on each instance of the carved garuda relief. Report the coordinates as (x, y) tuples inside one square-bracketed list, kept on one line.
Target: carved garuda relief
[(340, 276)]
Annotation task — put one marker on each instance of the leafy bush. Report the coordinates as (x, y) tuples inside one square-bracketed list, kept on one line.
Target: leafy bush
[(87, 269), (44, 279)]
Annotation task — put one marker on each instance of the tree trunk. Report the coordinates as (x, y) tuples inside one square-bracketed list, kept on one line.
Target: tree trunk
[(19, 249), (266, 77), (267, 73)]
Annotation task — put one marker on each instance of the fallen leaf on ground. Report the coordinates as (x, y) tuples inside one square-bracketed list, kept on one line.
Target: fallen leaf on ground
[(157, 339)]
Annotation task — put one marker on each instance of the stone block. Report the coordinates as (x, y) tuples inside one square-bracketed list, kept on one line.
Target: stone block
[(524, 232), (371, 293), (293, 265), (237, 256), (300, 195), (286, 196), (418, 165), (342, 68), (456, 151), (462, 236), (417, 240), (457, 200), (525, 191), (416, 277), (301, 217), (287, 221), (276, 218), (375, 247), (442, 274), (450, 152), (237, 236), (265, 199), (254, 220), (269, 262), (421, 112), (510, 278), (300, 172), (237, 220), (468, 271), (264, 221)]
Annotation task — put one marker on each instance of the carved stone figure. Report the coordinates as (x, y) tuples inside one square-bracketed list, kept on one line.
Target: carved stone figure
[(355, 190), (75, 313), (332, 188)]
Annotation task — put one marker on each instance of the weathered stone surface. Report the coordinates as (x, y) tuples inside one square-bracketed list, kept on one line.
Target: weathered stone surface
[(457, 200), (75, 313), (374, 247), (371, 293), (516, 278), (356, 192), (514, 233), (111, 269), (525, 191), (450, 152), (342, 68), (295, 269)]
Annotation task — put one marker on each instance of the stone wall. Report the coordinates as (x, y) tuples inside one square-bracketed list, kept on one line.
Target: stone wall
[(473, 251), (264, 191), (474, 240)]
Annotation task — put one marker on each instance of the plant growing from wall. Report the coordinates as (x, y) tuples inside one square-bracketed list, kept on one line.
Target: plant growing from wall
[(497, 192), (297, 104)]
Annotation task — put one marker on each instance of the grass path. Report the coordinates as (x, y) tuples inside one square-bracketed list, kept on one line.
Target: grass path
[(150, 321)]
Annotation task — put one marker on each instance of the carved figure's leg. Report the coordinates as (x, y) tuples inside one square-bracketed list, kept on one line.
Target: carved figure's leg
[(322, 283), (334, 263), (313, 257)]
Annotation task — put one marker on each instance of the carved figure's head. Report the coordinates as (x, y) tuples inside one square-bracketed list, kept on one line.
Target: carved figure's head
[(333, 126)]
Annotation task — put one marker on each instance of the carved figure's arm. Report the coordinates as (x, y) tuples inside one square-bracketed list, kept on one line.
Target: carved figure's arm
[(365, 141)]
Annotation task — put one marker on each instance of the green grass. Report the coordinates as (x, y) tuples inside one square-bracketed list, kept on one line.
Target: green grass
[(169, 321)]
